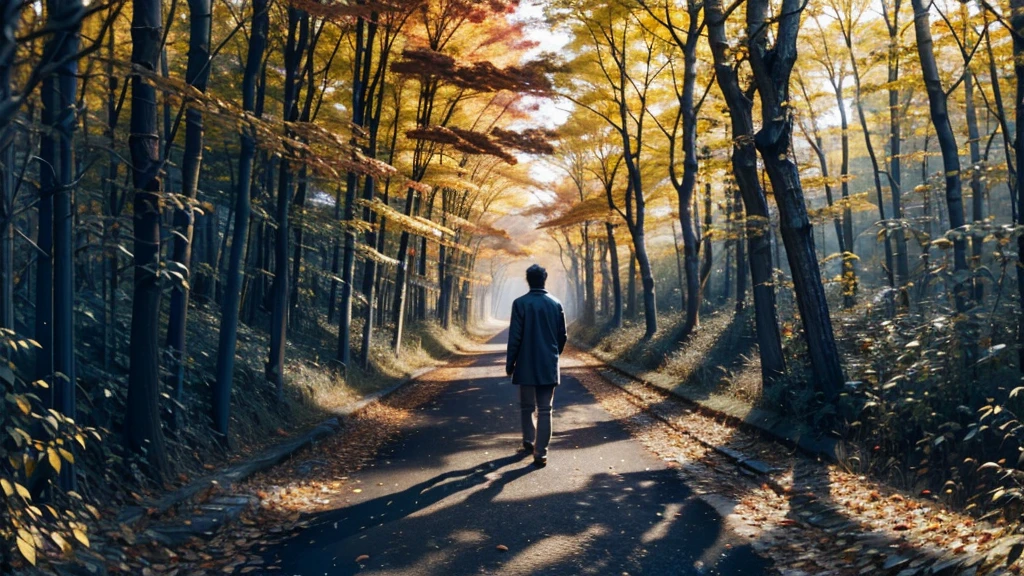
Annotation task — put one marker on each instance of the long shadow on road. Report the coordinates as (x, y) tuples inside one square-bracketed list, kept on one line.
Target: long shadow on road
[(442, 498)]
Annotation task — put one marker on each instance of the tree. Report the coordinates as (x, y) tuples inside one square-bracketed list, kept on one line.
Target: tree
[(624, 58), (298, 36), (686, 41), (744, 164), (228, 337), (939, 112), (772, 66), (142, 430), (196, 76)]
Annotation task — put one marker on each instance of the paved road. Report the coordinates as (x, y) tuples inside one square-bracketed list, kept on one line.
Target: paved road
[(442, 498)]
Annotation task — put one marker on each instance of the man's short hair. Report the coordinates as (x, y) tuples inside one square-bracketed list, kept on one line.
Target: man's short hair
[(536, 276)]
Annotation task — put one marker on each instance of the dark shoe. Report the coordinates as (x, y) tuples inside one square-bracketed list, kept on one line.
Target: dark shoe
[(540, 461), (526, 448)]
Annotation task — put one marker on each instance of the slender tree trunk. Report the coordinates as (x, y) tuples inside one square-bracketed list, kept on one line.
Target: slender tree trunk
[(605, 279), (142, 430), (977, 187), (944, 131), (741, 264), (679, 268), (10, 12), (228, 340), (196, 75), (402, 276), (589, 294), (1017, 21), (616, 321), (705, 268), (61, 100), (876, 169), (727, 284), (631, 300), (298, 35), (895, 138)]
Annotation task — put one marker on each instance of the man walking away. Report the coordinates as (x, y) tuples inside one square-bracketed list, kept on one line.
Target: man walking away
[(536, 338)]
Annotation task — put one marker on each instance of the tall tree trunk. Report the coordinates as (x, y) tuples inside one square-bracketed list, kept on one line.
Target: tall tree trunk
[(631, 300), (298, 35), (60, 99), (944, 131), (681, 275), (365, 33), (142, 430), (589, 292), (605, 278), (708, 256), (402, 275), (616, 321), (741, 264), (876, 169), (228, 340), (10, 12), (977, 187), (744, 163), (196, 75), (892, 18), (1017, 21), (772, 68)]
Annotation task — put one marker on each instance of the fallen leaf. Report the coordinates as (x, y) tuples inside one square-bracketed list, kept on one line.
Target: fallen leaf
[(502, 548), (362, 558)]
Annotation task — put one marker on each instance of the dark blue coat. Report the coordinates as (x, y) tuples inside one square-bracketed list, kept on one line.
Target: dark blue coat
[(536, 337)]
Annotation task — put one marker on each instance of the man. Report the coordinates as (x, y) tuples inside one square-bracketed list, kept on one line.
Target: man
[(536, 338)]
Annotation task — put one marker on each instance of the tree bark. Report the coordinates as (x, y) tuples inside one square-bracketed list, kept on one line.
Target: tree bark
[(298, 34), (402, 276), (228, 339), (196, 75), (744, 162), (895, 137), (939, 112), (772, 68), (1017, 21), (142, 429)]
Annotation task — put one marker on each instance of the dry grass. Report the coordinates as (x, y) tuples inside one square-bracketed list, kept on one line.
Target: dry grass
[(718, 359)]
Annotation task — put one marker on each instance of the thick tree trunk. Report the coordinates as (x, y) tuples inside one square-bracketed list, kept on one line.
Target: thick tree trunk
[(228, 340), (944, 131), (196, 75), (772, 68), (142, 430), (744, 162)]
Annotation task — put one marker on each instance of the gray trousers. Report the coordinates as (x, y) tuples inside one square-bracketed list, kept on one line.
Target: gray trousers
[(535, 403)]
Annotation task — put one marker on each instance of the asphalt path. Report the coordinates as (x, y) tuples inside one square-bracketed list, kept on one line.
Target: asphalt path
[(442, 498)]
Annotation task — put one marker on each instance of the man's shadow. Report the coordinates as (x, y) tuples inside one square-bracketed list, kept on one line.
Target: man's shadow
[(351, 520)]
